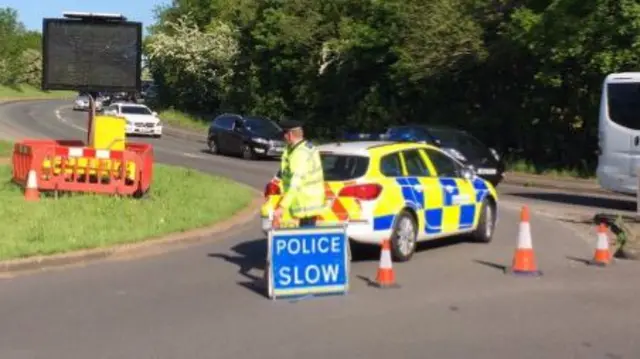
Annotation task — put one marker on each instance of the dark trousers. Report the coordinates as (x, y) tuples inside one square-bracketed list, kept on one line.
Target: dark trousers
[(308, 222)]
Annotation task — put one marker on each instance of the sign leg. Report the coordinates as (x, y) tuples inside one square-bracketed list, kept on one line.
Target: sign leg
[(91, 115)]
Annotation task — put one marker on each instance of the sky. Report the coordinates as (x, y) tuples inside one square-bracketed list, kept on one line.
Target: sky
[(31, 12)]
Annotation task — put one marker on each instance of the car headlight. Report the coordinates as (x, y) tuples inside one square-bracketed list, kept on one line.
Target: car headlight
[(495, 154), (260, 140)]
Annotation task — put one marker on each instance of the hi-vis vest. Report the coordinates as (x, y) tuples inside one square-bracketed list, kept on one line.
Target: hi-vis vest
[(302, 180)]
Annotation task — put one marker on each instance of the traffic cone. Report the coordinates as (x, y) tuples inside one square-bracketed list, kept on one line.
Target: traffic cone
[(524, 259), (386, 278), (602, 255), (31, 190)]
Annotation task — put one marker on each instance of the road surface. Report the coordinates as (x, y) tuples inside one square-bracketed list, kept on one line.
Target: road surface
[(206, 301)]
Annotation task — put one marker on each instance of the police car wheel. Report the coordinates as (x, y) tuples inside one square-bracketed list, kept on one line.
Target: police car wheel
[(486, 223), (403, 237)]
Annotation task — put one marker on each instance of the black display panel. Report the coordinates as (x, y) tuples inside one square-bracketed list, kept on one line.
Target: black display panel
[(88, 56)]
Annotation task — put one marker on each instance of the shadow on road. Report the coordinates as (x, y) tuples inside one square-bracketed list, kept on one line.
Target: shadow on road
[(585, 261), (248, 256), (500, 267), (582, 200), (364, 253)]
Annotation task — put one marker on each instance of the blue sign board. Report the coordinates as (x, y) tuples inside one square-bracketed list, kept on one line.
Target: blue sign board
[(308, 261)]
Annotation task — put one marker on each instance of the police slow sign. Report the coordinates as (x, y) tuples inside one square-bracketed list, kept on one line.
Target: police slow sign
[(308, 261)]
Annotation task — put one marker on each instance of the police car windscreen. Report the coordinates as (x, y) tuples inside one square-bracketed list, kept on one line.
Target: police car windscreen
[(102, 56), (135, 110), (343, 167)]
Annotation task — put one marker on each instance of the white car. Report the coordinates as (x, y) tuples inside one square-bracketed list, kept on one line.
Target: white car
[(140, 119), (82, 103)]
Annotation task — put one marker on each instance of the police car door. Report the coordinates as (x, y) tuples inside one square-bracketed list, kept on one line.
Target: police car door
[(410, 185), (425, 193), (458, 203)]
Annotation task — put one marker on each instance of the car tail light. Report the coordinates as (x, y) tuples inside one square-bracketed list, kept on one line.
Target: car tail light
[(272, 189), (364, 192)]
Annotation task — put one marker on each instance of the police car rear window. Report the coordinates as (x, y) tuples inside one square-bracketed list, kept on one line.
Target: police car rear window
[(337, 167)]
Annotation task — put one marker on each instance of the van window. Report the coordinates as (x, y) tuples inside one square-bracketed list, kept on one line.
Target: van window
[(623, 100)]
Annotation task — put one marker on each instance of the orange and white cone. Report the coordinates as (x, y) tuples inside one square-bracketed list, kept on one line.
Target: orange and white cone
[(602, 255), (524, 259), (31, 190), (386, 278)]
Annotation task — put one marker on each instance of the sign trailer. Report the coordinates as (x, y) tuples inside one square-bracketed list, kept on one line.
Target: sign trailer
[(91, 52)]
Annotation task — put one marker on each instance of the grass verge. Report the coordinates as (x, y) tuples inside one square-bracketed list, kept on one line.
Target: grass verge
[(6, 148), (180, 199), (183, 120), (26, 91), (525, 168)]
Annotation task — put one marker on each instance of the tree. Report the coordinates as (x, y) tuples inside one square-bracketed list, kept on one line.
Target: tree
[(195, 64), (20, 54), (524, 76)]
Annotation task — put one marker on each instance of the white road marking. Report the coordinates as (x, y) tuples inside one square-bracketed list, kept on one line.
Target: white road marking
[(66, 122), (193, 155)]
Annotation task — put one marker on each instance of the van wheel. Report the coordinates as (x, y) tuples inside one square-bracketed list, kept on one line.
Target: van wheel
[(404, 237), (486, 223)]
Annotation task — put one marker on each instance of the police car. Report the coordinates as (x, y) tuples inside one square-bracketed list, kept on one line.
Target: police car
[(406, 191)]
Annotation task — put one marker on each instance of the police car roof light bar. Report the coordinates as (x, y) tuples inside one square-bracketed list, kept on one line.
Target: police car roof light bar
[(93, 16)]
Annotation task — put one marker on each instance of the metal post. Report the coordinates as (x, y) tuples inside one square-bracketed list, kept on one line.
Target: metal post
[(638, 192), (92, 114)]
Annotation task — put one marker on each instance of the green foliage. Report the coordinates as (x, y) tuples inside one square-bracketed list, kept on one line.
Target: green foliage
[(6, 148), (524, 76), (19, 51)]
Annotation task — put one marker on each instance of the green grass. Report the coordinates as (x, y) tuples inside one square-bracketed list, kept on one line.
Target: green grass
[(183, 120), (6, 148), (527, 168), (26, 91), (180, 199)]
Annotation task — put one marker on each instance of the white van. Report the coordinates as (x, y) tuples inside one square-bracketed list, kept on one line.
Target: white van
[(619, 133)]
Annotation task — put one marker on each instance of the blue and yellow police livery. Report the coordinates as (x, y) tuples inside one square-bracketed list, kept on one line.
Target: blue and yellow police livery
[(408, 192)]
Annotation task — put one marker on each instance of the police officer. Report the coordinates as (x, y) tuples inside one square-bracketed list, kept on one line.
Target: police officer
[(302, 177)]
